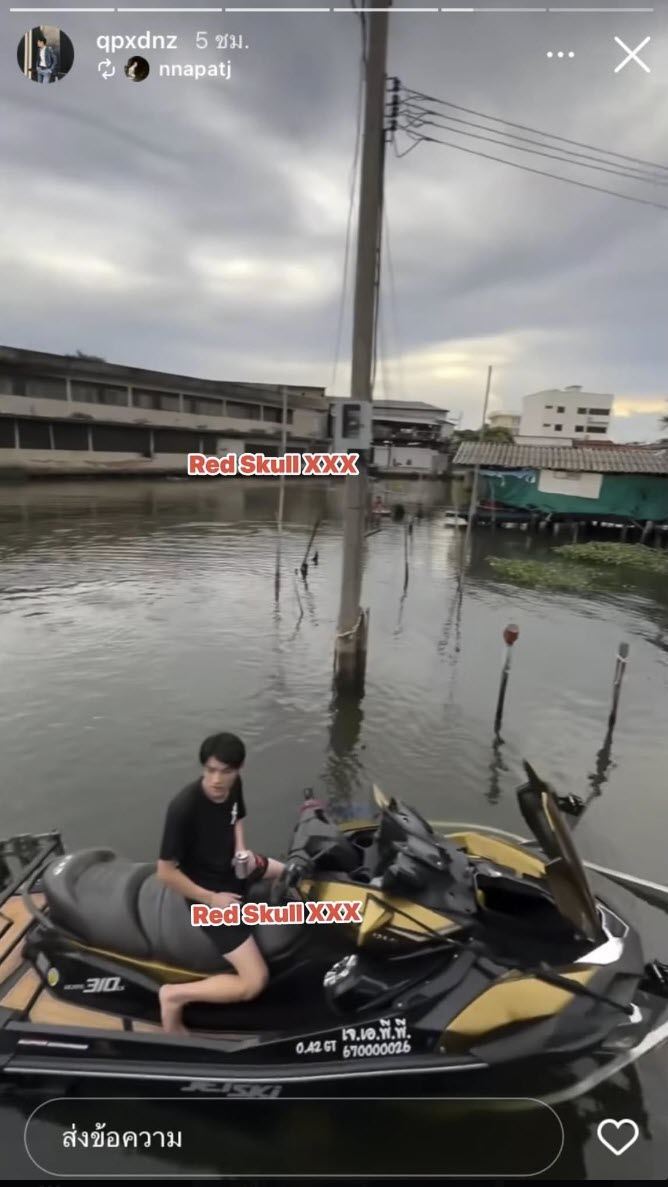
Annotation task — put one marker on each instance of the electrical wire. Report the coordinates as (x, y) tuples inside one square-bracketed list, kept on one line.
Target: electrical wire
[(585, 185), (525, 128), (578, 159)]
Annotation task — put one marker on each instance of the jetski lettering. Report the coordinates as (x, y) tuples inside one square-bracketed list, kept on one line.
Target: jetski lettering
[(103, 985), (316, 1047), (252, 1091), (369, 1050), (386, 1028)]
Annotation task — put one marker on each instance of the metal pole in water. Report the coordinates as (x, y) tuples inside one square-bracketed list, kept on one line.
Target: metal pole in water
[(510, 636), (620, 668)]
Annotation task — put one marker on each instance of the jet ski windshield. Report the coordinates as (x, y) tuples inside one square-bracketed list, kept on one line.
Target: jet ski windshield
[(565, 872)]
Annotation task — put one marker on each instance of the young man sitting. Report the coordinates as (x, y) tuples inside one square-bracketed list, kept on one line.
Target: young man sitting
[(203, 832)]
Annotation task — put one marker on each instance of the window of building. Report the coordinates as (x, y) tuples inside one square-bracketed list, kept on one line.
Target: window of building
[(579, 428), (599, 411), (597, 429), (120, 439), (158, 401), (175, 441), (275, 415), (549, 406), (46, 389), (558, 428), (99, 393), (546, 426), (7, 432), (267, 450), (560, 408), (201, 406), (582, 411), (34, 434), (41, 388), (70, 436), (244, 411)]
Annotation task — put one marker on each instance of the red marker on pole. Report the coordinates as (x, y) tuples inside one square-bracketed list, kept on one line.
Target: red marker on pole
[(511, 634)]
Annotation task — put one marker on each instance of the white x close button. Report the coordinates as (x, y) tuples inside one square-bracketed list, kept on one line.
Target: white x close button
[(632, 55)]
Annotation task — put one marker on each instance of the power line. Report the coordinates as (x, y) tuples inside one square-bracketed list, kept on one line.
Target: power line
[(585, 185), (525, 128), (581, 159), (535, 152)]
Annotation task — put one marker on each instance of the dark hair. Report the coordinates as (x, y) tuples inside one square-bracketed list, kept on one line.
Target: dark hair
[(41, 37), (227, 748)]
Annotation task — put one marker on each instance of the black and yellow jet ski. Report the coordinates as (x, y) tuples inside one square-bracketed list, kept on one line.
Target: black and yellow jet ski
[(461, 955)]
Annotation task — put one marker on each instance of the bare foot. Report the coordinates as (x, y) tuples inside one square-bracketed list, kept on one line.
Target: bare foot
[(170, 1011)]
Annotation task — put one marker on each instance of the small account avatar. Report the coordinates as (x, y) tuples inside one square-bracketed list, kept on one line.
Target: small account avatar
[(44, 54), (137, 69)]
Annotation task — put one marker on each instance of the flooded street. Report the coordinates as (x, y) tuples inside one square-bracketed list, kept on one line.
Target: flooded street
[(136, 618)]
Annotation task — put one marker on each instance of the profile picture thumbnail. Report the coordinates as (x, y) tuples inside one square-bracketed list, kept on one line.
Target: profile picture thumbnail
[(45, 54), (137, 69)]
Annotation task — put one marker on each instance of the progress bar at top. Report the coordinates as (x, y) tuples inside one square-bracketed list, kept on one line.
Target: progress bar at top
[(305, 8)]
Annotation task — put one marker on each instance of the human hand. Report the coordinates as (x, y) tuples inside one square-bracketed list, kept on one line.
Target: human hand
[(224, 898)]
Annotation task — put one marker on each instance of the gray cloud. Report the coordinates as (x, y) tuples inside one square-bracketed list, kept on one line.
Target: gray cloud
[(199, 226)]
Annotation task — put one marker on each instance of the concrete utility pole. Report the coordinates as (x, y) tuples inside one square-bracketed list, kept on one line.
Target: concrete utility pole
[(351, 637)]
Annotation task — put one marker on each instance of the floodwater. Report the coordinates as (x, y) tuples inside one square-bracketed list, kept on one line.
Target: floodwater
[(135, 618)]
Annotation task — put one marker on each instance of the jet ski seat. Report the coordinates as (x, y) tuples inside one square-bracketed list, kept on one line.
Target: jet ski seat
[(122, 906)]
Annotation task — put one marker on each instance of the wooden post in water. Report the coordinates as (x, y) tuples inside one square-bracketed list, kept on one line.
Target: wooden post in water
[(510, 636), (620, 668), (281, 496), (473, 505)]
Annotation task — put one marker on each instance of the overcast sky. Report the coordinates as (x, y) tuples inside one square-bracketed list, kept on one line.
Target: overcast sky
[(199, 226)]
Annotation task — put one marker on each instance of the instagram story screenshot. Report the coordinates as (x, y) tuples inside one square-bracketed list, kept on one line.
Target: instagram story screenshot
[(334, 591)]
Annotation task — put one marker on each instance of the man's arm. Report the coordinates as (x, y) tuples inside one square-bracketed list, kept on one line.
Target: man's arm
[(169, 873)]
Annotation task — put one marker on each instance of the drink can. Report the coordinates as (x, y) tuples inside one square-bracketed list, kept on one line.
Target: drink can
[(242, 863)]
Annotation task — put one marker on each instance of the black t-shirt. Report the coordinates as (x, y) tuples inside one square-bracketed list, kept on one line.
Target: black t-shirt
[(199, 835)]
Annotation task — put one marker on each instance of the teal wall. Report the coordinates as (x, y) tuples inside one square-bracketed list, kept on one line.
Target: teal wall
[(637, 496)]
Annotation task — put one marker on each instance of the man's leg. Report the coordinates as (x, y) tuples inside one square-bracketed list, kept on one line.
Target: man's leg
[(247, 982), (265, 867), (274, 868)]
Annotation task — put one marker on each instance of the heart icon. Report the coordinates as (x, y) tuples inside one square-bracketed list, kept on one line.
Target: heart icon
[(616, 1142)]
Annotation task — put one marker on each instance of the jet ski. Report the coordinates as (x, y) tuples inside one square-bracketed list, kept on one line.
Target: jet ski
[(461, 955)]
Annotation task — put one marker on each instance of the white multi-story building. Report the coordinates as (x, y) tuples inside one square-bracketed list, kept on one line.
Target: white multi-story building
[(571, 416)]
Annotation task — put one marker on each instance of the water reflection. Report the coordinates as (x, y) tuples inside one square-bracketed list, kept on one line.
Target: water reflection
[(136, 618), (343, 771)]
